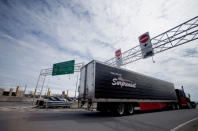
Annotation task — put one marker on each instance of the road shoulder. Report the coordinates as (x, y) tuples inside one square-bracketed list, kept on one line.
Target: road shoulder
[(191, 125)]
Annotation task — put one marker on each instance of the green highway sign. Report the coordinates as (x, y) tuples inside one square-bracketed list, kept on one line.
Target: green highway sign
[(62, 68)]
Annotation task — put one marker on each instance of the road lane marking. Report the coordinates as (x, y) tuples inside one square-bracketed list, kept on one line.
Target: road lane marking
[(183, 124)]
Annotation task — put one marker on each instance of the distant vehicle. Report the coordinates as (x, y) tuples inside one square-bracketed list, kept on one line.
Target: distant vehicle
[(69, 99), (53, 102), (121, 91)]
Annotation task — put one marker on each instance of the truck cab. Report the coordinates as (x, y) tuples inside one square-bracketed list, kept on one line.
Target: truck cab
[(183, 100)]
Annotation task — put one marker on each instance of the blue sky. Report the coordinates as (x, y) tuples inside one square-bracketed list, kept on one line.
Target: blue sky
[(35, 34)]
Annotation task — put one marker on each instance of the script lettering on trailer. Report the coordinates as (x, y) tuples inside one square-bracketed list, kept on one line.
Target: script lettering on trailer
[(119, 81)]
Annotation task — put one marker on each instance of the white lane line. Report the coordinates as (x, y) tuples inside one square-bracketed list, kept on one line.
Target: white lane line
[(183, 124)]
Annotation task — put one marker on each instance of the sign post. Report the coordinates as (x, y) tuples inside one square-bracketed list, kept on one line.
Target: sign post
[(66, 67), (146, 46), (118, 55)]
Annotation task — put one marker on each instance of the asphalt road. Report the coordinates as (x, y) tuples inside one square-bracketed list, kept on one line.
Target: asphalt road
[(14, 104), (81, 120)]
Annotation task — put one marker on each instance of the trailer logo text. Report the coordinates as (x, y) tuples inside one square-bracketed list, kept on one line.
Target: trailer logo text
[(123, 82)]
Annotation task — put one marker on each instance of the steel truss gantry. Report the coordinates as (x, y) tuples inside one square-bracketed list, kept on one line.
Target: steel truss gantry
[(47, 72), (179, 35)]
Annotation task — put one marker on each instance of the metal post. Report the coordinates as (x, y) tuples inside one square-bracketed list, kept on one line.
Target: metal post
[(42, 86), (67, 95), (76, 85), (25, 88), (182, 88), (46, 91), (17, 90), (36, 88), (37, 83)]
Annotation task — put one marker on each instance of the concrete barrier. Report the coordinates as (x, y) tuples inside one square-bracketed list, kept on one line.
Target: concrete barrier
[(14, 99)]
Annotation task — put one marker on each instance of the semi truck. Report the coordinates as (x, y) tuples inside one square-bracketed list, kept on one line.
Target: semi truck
[(122, 91)]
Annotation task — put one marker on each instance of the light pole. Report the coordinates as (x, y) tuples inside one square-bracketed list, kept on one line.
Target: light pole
[(76, 85)]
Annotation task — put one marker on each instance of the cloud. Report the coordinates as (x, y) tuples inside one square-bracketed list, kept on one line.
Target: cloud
[(36, 34)]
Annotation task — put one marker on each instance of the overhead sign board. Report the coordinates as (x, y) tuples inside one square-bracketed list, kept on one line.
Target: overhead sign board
[(118, 56), (146, 45), (62, 68)]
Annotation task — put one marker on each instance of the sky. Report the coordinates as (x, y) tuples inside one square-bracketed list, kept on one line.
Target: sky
[(35, 34)]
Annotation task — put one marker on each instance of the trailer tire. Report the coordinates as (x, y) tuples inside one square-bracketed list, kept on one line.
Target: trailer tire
[(120, 109), (129, 109)]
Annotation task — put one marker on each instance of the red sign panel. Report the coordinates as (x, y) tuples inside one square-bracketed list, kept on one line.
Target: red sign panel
[(144, 38), (118, 53)]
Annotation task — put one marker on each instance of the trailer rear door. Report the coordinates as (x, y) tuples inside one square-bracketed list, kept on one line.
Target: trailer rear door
[(87, 81)]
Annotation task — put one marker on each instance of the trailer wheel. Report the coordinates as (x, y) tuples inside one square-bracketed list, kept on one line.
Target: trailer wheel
[(119, 110), (130, 109)]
